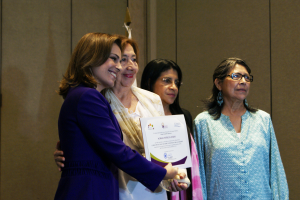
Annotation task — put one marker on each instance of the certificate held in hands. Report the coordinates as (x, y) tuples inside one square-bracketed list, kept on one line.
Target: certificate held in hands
[(166, 140)]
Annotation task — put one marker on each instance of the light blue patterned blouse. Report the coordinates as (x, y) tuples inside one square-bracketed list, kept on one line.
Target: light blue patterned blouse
[(232, 168)]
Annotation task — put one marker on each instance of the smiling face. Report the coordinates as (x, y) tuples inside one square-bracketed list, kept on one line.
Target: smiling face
[(130, 68), (234, 89), (166, 86), (106, 73)]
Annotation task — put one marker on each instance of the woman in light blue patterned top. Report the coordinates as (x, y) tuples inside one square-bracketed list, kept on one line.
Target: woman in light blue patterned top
[(237, 147)]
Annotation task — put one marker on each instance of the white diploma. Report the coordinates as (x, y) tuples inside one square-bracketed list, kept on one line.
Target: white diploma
[(166, 140)]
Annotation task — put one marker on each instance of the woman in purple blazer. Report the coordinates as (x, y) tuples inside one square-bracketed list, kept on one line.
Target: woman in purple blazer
[(88, 130)]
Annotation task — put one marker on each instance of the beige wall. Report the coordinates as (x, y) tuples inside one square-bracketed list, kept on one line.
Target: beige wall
[(210, 32), (35, 51), (262, 32), (285, 61), (36, 47), (38, 36)]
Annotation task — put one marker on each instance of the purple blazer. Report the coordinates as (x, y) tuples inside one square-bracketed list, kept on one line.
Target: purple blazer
[(91, 139)]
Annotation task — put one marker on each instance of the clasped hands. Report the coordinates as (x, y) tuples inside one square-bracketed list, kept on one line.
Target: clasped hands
[(175, 174)]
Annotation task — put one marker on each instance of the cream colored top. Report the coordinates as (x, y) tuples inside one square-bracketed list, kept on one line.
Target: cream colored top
[(149, 105), (129, 187)]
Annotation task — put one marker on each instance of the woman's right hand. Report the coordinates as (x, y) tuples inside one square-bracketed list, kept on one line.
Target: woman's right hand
[(58, 156), (171, 171)]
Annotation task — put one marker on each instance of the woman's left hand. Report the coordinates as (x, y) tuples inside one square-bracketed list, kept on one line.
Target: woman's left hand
[(175, 186), (58, 156)]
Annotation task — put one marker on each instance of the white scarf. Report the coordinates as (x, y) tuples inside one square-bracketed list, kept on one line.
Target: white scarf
[(127, 124)]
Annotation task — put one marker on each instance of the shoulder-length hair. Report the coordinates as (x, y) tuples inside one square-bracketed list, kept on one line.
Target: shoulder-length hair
[(221, 72), (153, 71), (92, 50)]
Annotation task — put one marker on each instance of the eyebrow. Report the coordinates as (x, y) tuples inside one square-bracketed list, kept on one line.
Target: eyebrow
[(115, 55), (128, 56), (171, 78), (240, 73)]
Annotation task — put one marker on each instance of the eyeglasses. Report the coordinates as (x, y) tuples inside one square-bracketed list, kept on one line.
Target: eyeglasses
[(238, 76), (169, 81)]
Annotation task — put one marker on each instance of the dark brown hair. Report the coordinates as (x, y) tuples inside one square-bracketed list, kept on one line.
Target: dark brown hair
[(221, 72), (92, 50)]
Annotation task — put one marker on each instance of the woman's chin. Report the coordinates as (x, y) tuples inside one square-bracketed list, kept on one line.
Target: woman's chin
[(127, 83), (240, 97), (170, 101)]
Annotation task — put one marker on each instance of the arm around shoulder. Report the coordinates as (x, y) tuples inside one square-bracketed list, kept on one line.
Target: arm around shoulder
[(102, 131)]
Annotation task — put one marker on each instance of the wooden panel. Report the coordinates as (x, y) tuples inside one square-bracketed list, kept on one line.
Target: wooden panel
[(36, 51), (209, 32), (166, 29), (161, 29), (97, 16), (0, 84), (37, 47), (285, 31), (138, 13), (108, 17)]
